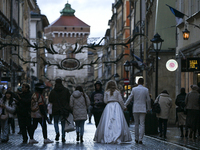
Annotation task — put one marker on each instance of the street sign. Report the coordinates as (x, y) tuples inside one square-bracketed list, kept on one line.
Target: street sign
[(126, 81)]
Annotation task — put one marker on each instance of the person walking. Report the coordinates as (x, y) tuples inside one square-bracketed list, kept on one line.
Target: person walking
[(47, 104), (141, 104), (192, 106), (165, 104), (112, 127), (19, 91), (24, 111), (11, 120), (38, 113), (8, 107), (79, 102), (97, 102), (60, 99), (180, 102)]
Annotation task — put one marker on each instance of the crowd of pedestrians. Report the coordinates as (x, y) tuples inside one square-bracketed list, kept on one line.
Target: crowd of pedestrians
[(46, 106)]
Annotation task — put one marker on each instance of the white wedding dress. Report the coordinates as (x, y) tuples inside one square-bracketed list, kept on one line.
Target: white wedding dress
[(113, 127)]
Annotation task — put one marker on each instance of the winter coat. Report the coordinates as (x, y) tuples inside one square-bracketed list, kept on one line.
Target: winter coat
[(116, 97), (165, 104), (192, 100), (180, 102), (79, 105), (60, 98), (97, 101), (10, 109), (24, 104)]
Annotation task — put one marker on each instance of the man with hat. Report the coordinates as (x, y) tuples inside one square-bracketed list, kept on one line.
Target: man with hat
[(38, 113)]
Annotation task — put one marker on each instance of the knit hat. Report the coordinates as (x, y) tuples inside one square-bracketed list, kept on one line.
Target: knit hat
[(194, 87), (40, 86)]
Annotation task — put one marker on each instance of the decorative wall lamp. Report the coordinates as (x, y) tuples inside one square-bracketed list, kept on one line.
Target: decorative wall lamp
[(186, 34)]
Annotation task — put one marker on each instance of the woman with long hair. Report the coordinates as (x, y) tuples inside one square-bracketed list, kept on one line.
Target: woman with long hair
[(8, 107), (79, 102), (112, 127)]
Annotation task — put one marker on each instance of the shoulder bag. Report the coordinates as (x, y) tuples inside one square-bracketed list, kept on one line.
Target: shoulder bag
[(156, 107), (69, 124)]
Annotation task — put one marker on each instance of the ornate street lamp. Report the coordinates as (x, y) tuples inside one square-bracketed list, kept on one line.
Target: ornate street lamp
[(116, 77), (20, 71), (186, 34), (127, 66), (157, 43)]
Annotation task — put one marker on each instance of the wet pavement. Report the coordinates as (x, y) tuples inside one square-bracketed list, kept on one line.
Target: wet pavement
[(173, 141), (173, 136)]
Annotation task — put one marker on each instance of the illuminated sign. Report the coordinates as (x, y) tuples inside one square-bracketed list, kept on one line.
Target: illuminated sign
[(193, 64), (171, 65), (190, 65)]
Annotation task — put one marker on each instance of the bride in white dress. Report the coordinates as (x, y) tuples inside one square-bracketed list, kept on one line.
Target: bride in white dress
[(112, 127)]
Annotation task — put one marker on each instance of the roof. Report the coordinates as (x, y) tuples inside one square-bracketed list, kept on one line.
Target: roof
[(69, 21), (67, 11)]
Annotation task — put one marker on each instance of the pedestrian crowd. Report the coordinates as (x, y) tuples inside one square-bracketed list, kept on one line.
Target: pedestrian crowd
[(46, 106)]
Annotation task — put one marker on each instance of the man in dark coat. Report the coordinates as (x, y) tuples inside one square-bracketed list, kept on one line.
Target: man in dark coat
[(60, 98), (97, 102), (24, 111)]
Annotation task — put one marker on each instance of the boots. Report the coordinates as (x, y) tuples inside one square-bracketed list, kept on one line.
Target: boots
[(181, 128), (186, 133), (77, 136), (82, 139), (194, 135)]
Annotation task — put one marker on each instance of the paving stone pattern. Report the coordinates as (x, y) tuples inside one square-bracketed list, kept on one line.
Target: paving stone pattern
[(149, 142)]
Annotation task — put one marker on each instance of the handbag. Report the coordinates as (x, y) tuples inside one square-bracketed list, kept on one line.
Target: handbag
[(156, 107), (69, 124), (4, 115)]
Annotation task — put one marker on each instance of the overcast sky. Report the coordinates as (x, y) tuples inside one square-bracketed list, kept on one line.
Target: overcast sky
[(95, 13)]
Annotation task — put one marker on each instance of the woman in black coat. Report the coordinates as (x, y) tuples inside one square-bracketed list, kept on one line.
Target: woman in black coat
[(180, 102)]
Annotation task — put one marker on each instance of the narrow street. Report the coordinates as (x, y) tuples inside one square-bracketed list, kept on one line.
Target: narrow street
[(15, 142)]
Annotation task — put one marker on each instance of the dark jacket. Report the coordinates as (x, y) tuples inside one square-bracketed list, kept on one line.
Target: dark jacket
[(97, 101), (60, 99), (192, 100), (24, 104), (180, 102)]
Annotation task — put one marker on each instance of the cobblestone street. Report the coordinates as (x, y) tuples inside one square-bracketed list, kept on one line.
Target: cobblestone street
[(15, 142)]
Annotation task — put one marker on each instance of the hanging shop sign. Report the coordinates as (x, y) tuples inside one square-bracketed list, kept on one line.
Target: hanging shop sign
[(190, 64), (171, 65), (70, 63)]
